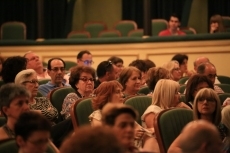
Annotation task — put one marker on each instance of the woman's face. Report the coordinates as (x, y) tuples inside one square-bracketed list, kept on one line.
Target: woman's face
[(206, 106), (176, 99), (117, 96), (124, 129), (184, 66), (119, 67), (214, 26), (85, 83), (200, 86), (31, 85), (176, 72), (134, 82)]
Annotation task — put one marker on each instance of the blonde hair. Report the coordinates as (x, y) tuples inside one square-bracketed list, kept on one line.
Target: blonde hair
[(170, 66), (164, 93), (23, 76), (203, 94)]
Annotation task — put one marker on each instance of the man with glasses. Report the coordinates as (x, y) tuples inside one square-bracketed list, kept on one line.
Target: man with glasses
[(209, 70), (56, 71), (106, 71), (33, 62)]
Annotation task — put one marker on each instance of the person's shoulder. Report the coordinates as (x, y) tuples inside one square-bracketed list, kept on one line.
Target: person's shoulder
[(164, 33), (3, 134), (181, 33)]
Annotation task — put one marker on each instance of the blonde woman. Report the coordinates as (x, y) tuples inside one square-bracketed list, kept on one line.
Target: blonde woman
[(174, 68)]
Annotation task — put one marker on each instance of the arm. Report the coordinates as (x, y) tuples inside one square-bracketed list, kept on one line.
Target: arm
[(149, 120), (94, 122), (69, 100)]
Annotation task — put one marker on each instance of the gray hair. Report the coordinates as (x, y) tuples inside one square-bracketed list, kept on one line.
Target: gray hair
[(23, 76)]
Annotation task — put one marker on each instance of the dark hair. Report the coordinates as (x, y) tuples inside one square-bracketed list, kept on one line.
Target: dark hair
[(103, 67), (76, 73), (11, 67), (175, 15), (218, 19), (115, 60), (149, 64), (9, 92), (55, 58), (29, 122), (140, 64), (192, 84), (201, 68), (180, 58), (81, 53), (1, 62)]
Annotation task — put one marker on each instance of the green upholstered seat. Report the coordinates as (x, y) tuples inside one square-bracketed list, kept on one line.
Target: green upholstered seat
[(109, 34), (140, 103), (158, 25), (188, 30), (223, 97), (69, 64), (136, 33), (57, 97), (223, 79), (13, 30), (224, 87), (182, 98), (226, 21), (182, 88), (43, 81), (78, 34), (168, 124), (183, 80), (10, 146), (144, 90), (80, 112), (39, 94), (94, 28), (125, 26)]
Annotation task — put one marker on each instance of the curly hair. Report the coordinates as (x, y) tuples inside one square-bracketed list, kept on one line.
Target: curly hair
[(76, 73), (103, 93), (11, 67)]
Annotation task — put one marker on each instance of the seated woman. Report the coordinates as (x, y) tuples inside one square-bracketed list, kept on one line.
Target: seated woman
[(130, 79), (82, 81), (216, 24), (14, 101), (174, 69), (225, 126), (195, 83), (154, 74)]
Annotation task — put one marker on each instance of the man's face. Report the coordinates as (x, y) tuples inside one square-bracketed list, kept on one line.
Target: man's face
[(200, 61), (210, 72), (33, 61), (174, 23), (57, 71), (85, 60)]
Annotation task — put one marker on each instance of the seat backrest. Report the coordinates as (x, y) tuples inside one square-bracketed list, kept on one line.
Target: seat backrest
[(78, 34), (13, 30), (136, 33), (80, 112), (182, 88), (183, 80), (144, 90), (182, 98), (10, 146), (158, 25), (94, 28), (223, 97), (223, 79), (69, 64), (109, 33), (43, 81), (226, 21), (125, 26), (140, 103), (224, 87), (57, 97), (168, 124), (188, 30)]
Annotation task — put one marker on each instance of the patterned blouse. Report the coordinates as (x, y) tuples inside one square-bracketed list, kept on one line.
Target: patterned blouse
[(47, 109)]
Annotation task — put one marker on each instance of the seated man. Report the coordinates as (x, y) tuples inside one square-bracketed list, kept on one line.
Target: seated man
[(56, 70), (32, 132), (33, 62), (173, 30), (204, 138)]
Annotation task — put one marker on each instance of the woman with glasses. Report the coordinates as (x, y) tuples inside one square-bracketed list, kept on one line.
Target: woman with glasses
[(82, 81), (195, 83), (174, 68)]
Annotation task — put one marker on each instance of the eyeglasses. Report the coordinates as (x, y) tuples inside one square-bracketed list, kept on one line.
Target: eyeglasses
[(56, 69), (86, 79), (202, 99), (88, 62), (211, 76), (39, 142), (32, 82)]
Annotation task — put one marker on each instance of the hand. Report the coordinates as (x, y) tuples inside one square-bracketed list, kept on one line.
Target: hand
[(213, 28), (139, 133)]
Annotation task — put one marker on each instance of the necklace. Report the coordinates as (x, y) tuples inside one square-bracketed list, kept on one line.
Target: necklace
[(8, 131)]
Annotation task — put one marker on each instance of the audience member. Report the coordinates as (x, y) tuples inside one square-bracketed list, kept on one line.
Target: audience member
[(118, 62), (56, 70), (14, 101), (11, 67), (174, 69), (182, 59), (1, 63), (154, 74), (173, 30), (84, 57), (216, 24), (92, 140), (82, 81), (140, 65), (195, 83), (115, 115), (209, 70), (130, 79), (225, 125), (33, 62), (149, 64), (106, 71), (32, 132), (197, 137)]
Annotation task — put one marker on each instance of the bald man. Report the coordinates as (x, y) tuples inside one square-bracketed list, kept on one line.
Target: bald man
[(199, 61), (197, 137)]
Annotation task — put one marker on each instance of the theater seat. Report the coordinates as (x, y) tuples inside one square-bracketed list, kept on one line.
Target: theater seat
[(158, 25), (13, 31), (125, 26), (94, 28), (109, 34)]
